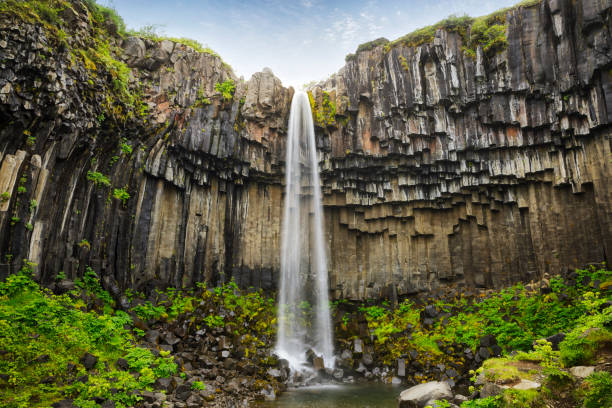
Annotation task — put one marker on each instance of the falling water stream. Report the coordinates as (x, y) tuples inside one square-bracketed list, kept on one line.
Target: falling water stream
[(303, 314)]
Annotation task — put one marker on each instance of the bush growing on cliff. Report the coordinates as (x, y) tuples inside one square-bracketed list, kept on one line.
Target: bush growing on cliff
[(226, 88)]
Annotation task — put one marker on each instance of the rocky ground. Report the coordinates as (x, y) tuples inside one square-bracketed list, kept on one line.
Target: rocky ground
[(223, 344)]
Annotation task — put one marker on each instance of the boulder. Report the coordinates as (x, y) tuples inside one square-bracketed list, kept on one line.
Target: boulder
[(582, 371), (89, 361), (419, 395)]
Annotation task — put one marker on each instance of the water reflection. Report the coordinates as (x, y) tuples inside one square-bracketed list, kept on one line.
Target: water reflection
[(338, 396)]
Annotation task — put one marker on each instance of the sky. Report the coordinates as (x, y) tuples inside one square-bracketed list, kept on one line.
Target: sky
[(299, 40)]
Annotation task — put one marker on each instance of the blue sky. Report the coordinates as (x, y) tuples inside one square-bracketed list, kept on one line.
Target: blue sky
[(300, 40)]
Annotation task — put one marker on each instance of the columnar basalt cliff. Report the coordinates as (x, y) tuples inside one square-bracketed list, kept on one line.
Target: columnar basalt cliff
[(437, 167)]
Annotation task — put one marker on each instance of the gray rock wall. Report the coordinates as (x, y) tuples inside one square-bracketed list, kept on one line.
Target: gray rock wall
[(437, 168)]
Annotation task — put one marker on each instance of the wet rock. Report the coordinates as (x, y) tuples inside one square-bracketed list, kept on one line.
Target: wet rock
[(268, 393), (318, 364)]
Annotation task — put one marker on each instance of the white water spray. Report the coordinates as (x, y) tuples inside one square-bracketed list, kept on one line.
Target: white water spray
[(303, 280)]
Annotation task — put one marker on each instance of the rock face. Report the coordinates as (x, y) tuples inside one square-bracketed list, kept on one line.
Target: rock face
[(436, 167)]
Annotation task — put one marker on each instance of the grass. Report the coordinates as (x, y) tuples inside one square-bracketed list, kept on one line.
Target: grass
[(152, 32)]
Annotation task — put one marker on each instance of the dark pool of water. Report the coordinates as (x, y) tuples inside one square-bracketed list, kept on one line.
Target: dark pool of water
[(338, 396)]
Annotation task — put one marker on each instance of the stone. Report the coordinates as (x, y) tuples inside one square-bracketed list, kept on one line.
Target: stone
[(419, 395), (273, 372), (358, 346), (401, 367), (268, 393), (123, 364), (582, 371), (396, 380), (555, 339), (318, 364), (367, 359), (526, 385), (164, 384), (108, 404), (152, 336), (488, 340), (89, 361), (338, 374), (65, 403), (183, 392), (170, 338), (460, 399), (490, 390)]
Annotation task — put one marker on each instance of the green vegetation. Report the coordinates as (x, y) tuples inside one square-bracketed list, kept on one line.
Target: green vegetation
[(107, 15), (487, 31), (226, 88), (5, 196), (597, 390), (125, 147), (84, 244), (152, 32), (516, 316), (45, 336), (366, 47), (323, 114), (121, 194), (98, 178), (201, 100), (198, 385)]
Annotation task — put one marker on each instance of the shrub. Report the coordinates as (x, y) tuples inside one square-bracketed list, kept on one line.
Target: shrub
[(198, 386), (226, 88), (597, 390), (98, 178), (121, 194)]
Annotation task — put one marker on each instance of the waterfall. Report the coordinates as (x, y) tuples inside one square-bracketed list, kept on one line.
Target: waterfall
[(303, 311)]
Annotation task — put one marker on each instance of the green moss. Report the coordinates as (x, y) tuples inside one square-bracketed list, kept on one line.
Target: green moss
[(522, 399), (323, 114), (501, 371)]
